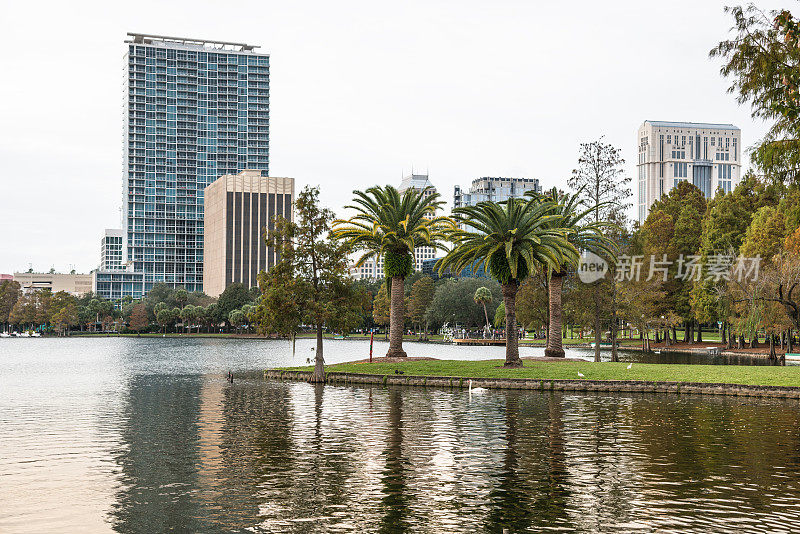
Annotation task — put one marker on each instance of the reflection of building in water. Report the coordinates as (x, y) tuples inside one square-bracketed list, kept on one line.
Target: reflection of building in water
[(159, 455)]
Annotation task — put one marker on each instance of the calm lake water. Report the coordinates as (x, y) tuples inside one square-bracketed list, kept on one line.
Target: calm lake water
[(145, 435)]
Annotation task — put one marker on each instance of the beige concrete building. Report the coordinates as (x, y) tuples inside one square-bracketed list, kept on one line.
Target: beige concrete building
[(707, 155), (237, 209), (75, 284)]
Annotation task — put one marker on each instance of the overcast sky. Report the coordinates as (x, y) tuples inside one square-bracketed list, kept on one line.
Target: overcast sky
[(360, 92)]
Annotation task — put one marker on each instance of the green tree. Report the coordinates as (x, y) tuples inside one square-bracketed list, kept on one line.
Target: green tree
[(63, 312), (600, 182), (673, 228), (279, 310), (766, 234), (138, 320), (24, 311), (762, 60), (532, 309), (380, 306), (483, 296), (420, 300), (10, 292), (237, 318), (211, 315), (512, 240), (187, 316), (314, 266), (390, 225), (165, 318), (181, 297), (454, 302), (500, 316), (233, 298)]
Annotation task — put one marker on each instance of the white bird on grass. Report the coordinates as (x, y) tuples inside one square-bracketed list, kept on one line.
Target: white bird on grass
[(476, 391), (581, 375), (629, 365)]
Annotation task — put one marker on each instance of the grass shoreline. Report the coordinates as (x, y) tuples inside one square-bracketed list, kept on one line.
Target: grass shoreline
[(594, 372)]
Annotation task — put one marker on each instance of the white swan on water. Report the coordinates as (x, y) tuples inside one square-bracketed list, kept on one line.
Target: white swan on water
[(476, 391)]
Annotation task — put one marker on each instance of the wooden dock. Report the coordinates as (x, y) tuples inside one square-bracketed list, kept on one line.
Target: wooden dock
[(479, 342)]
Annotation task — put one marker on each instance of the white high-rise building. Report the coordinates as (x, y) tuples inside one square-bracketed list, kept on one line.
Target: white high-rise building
[(707, 155), (494, 189), (111, 250), (419, 182), (370, 270)]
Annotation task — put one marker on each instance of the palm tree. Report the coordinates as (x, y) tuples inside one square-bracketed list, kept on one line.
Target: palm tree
[(390, 225), (483, 296), (582, 235), (511, 239)]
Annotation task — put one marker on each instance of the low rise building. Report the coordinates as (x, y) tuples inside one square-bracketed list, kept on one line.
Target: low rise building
[(238, 209), (118, 283), (74, 284)]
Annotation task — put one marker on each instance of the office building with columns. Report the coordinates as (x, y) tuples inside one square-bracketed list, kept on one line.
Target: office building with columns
[(238, 208), (705, 154)]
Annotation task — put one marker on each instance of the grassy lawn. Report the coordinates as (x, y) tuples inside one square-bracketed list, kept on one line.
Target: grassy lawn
[(728, 374)]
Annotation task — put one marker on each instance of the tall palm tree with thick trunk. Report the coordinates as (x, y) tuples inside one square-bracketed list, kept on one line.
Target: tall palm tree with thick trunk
[(390, 225), (582, 234), (512, 239)]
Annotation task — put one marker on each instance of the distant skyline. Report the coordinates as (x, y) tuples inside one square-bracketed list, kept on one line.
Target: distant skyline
[(360, 92)]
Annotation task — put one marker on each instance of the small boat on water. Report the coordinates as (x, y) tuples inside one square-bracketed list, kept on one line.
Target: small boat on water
[(792, 357), (5, 334)]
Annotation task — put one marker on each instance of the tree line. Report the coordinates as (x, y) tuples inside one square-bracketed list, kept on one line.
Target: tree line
[(164, 309)]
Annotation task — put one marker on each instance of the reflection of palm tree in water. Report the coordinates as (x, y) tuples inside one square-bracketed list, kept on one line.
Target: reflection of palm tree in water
[(551, 504), (526, 497), (395, 500)]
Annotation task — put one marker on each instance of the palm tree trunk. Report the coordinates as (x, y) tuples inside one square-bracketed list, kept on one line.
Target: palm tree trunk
[(554, 348), (512, 341), (486, 314), (396, 319)]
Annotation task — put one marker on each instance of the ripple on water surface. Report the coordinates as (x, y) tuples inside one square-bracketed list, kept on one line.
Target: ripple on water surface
[(147, 436)]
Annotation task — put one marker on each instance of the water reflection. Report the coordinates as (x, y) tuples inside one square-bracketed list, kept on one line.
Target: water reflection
[(152, 447), (202, 455)]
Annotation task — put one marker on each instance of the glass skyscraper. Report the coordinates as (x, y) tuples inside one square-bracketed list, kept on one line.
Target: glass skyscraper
[(194, 110)]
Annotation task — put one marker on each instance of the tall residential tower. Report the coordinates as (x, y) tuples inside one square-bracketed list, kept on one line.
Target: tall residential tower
[(418, 182), (707, 155), (194, 110)]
